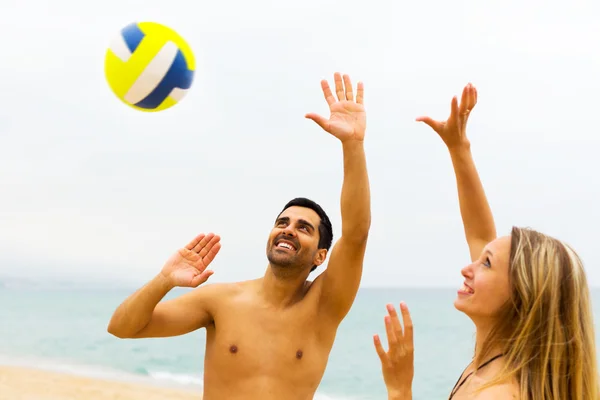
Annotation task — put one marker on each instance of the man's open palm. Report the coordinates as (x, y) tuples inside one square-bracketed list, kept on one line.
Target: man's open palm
[(187, 267), (348, 119)]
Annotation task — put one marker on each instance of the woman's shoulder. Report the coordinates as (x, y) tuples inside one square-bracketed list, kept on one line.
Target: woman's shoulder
[(500, 391)]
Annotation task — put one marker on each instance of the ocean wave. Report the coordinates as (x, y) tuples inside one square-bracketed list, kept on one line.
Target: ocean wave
[(91, 371), (182, 379), (197, 380)]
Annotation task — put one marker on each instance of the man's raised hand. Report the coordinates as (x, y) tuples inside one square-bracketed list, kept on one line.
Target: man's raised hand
[(187, 267), (347, 120)]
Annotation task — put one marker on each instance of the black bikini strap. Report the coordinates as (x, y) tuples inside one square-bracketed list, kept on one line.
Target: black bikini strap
[(455, 388)]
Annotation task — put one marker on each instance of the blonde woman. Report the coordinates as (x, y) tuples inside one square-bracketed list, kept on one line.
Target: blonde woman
[(526, 293)]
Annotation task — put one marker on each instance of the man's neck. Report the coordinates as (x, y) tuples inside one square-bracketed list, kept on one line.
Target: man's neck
[(282, 288)]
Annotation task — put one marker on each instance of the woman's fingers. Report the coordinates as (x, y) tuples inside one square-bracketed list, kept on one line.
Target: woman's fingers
[(379, 349), (408, 325), (395, 321)]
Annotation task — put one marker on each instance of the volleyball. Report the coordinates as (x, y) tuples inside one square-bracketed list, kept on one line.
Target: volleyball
[(149, 66)]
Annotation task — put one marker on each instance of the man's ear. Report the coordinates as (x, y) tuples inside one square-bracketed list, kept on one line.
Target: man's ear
[(320, 257)]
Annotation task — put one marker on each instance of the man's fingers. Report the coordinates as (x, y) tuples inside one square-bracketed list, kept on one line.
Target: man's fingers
[(327, 92), (208, 246), (360, 93), (201, 278), (200, 245), (195, 241), (343, 89), (379, 349), (320, 120), (212, 253), (408, 325), (339, 86), (348, 88)]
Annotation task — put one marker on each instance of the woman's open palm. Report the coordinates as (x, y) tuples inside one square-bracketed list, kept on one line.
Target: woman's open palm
[(397, 364), (454, 130)]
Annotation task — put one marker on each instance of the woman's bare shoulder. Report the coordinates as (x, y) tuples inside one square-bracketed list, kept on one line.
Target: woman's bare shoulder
[(502, 391)]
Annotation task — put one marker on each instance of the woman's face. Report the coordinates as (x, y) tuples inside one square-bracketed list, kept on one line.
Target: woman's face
[(486, 287)]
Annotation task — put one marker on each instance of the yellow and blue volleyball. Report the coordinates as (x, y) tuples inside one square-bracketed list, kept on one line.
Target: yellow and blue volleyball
[(149, 66)]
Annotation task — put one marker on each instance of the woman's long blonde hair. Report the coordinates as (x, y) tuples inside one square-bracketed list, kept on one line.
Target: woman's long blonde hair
[(546, 330)]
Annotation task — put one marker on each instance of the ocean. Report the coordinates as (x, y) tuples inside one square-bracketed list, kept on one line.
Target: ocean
[(65, 330)]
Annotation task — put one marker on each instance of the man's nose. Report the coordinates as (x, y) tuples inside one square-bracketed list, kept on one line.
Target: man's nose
[(289, 231)]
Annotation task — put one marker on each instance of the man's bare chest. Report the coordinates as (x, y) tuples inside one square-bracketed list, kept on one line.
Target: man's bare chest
[(265, 341)]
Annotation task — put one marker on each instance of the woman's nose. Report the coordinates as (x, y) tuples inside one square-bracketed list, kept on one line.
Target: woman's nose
[(467, 271)]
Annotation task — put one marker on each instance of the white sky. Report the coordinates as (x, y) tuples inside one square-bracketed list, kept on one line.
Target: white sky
[(91, 189)]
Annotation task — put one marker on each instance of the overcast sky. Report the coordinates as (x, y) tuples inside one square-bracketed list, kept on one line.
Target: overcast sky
[(91, 189)]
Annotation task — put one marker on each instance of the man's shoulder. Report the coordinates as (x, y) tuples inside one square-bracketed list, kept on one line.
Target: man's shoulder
[(228, 288)]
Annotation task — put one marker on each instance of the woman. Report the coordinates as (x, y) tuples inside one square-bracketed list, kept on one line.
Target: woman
[(526, 293)]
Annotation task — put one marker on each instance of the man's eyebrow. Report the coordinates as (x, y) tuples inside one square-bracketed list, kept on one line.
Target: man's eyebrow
[(305, 222), (300, 221)]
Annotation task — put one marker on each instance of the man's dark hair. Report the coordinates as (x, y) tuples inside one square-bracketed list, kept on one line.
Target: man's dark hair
[(325, 229)]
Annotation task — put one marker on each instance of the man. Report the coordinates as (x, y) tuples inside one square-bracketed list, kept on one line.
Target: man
[(270, 338)]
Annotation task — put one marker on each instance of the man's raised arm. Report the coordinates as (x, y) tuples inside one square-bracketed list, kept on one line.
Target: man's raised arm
[(141, 315), (347, 122)]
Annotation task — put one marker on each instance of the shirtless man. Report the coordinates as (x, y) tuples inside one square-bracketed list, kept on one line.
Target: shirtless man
[(270, 338)]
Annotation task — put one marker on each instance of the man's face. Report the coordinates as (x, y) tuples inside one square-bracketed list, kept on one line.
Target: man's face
[(294, 240)]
